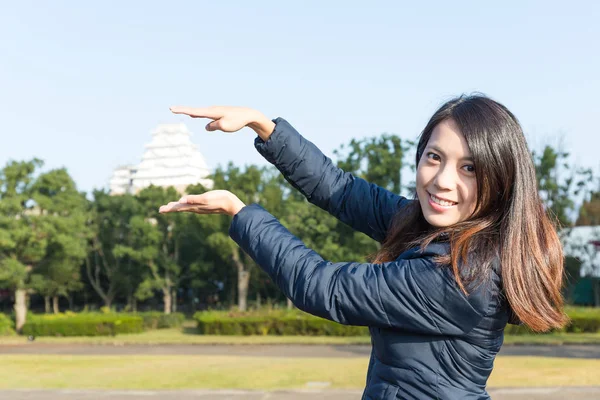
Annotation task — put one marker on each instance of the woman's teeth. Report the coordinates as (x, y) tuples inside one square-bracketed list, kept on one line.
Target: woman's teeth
[(441, 202)]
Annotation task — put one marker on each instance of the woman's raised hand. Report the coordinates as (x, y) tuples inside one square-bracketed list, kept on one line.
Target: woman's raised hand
[(212, 202), (230, 119)]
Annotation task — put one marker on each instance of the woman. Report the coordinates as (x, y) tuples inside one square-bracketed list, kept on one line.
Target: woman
[(474, 250)]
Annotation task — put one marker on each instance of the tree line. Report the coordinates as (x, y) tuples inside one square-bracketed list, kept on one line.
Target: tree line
[(56, 243)]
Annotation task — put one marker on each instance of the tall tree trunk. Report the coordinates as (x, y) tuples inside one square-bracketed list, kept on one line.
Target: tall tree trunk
[(258, 300), (47, 304), (20, 308), (132, 301), (243, 280), (70, 298), (232, 292), (55, 304), (174, 297), (167, 300), (95, 280)]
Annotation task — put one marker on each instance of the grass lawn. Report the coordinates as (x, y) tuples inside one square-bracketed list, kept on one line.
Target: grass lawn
[(178, 336), (554, 338), (220, 372)]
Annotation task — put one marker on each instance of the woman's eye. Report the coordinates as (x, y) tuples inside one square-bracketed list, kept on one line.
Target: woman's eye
[(469, 168), (433, 156)]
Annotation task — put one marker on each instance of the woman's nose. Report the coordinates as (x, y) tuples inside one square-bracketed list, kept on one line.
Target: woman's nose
[(445, 179)]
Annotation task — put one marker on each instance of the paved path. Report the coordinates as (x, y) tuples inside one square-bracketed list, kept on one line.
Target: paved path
[(584, 393), (281, 350)]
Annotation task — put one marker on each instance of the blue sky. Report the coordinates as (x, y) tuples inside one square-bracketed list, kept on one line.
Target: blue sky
[(82, 84)]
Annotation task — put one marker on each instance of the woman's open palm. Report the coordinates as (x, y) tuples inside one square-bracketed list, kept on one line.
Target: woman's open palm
[(212, 202)]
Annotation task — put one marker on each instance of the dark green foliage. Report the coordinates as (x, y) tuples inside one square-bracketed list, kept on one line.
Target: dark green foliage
[(7, 326), (88, 324), (98, 324), (296, 322), (589, 213), (159, 320), (50, 236), (379, 160), (292, 322), (583, 320), (559, 183)]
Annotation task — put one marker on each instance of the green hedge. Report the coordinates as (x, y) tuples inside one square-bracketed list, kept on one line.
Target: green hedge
[(296, 322), (7, 327), (272, 323), (159, 320), (85, 324), (582, 320)]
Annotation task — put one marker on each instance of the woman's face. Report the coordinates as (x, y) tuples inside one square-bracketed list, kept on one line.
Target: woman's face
[(446, 182)]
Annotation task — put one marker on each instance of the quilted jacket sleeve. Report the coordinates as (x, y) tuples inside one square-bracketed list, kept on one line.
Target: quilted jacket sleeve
[(364, 206), (413, 294)]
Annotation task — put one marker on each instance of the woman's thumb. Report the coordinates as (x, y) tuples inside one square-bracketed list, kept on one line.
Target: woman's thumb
[(214, 125)]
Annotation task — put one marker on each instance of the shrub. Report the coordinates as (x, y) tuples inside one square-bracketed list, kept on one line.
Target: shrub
[(293, 322), (85, 324), (7, 327), (582, 320), (296, 322), (159, 320)]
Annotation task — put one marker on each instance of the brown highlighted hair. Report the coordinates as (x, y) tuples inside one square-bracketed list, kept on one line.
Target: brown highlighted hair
[(509, 230)]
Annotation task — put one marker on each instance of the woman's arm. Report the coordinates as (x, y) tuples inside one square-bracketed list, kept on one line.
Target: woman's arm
[(414, 295), (365, 207)]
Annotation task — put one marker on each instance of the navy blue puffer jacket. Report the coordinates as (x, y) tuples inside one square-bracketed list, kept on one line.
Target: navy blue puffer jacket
[(429, 340)]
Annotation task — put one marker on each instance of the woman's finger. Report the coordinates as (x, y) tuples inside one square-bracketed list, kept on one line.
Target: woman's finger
[(175, 207), (192, 199), (195, 208), (198, 112)]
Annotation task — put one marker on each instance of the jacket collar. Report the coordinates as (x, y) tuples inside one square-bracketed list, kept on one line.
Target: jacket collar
[(432, 250)]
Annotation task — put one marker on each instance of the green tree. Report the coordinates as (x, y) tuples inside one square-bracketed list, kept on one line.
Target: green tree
[(165, 270), (378, 160), (115, 263), (559, 183), (202, 268), (23, 234), (141, 270), (589, 212), (63, 211), (248, 185)]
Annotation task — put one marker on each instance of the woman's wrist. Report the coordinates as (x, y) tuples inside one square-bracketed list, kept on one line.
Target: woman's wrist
[(236, 206), (262, 125)]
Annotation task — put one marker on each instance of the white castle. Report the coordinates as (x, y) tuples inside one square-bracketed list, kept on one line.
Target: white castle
[(170, 159)]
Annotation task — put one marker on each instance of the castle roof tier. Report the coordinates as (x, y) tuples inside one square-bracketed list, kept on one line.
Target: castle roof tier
[(170, 159)]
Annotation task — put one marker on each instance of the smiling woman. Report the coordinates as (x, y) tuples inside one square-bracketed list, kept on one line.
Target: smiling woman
[(446, 181), (473, 251)]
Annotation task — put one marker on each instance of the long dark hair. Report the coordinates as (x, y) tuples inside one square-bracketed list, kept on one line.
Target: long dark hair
[(509, 226)]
